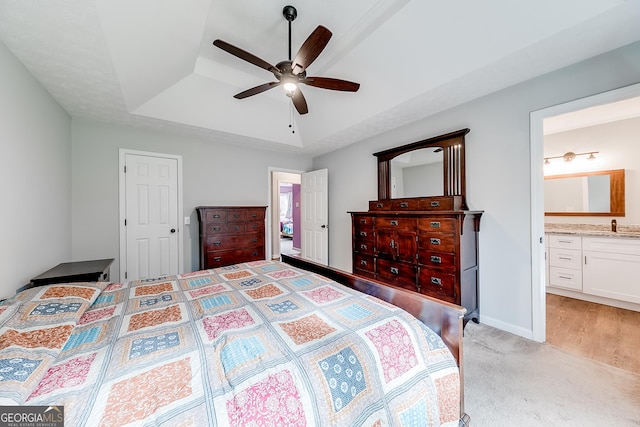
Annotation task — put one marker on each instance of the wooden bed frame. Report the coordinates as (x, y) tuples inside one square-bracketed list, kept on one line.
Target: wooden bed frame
[(443, 318)]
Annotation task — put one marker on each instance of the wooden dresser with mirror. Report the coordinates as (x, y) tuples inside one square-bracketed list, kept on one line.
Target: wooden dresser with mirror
[(419, 234)]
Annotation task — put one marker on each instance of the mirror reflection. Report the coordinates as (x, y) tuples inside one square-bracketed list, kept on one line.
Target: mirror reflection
[(579, 194), (598, 193), (417, 173)]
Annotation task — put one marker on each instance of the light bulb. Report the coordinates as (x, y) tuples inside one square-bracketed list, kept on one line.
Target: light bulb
[(290, 88)]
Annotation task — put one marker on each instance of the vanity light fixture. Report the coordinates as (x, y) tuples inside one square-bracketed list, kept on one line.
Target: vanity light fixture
[(570, 155)]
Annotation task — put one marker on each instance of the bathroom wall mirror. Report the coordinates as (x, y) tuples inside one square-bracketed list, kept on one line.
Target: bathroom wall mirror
[(431, 167), (599, 193)]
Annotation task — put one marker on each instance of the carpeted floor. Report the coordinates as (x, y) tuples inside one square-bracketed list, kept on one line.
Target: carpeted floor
[(512, 381)]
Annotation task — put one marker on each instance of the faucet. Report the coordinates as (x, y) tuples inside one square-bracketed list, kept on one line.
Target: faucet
[(614, 225)]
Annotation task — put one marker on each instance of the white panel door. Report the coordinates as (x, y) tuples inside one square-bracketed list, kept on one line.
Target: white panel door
[(314, 190), (151, 216)]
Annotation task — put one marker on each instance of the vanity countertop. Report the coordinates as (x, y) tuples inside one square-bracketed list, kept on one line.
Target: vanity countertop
[(603, 230)]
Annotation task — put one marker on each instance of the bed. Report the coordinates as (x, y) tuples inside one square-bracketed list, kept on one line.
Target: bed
[(259, 343), (286, 227)]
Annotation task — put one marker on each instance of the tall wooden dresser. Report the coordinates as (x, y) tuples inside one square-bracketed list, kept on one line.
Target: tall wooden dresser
[(231, 234), (426, 244), (431, 252)]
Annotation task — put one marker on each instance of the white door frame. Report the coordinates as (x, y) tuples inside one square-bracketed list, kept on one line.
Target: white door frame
[(270, 207), (538, 291), (122, 207)]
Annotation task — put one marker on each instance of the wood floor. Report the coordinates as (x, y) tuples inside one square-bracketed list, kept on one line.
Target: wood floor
[(600, 332)]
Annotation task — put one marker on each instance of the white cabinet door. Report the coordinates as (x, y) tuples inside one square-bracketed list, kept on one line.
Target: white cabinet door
[(612, 275)]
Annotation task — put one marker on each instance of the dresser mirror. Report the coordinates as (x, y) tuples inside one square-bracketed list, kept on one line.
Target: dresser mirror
[(418, 173), (431, 167), (599, 193)]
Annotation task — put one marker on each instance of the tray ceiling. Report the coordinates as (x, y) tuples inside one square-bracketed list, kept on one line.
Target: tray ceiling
[(151, 63)]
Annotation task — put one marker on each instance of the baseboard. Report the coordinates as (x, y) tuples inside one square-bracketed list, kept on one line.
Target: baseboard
[(507, 327)]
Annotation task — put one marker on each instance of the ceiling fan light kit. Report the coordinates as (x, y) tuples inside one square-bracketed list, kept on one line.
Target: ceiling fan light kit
[(292, 73)]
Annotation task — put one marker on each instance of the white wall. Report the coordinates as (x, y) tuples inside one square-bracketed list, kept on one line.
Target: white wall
[(213, 174), (498, 176), (35, 177), (618, 144)]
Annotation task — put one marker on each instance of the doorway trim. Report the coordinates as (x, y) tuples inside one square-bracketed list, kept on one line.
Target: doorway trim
[(270, 207), (123, 152), (538, 291)]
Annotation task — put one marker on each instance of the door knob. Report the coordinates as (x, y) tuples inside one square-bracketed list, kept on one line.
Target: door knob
[(173, 230)]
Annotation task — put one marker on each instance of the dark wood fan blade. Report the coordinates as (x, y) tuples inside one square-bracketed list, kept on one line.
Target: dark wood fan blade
[(299, 102), (244, 55), (333, 84), (256, 90), (310, 49)]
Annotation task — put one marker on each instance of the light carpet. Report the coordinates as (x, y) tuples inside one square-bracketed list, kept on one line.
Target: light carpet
[(512, 381)]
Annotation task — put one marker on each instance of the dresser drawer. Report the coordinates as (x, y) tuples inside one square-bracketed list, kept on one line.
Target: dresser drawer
[(363, 221), (215, 215), (444, 225), (222, 258), (254, 215), (214, 228), (363, 232), (364, 263), (230, 241), (236, 215), (236, 227), (364, 245), (255, 227), (397, 273), (437, 284), (438, 242), (565, 258), (395, 223), (437, 260)]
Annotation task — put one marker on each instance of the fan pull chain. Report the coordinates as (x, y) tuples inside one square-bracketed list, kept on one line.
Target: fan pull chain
[(291, 122)]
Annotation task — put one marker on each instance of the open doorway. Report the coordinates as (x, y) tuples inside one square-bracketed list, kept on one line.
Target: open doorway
[(538, 155), (286, 208)]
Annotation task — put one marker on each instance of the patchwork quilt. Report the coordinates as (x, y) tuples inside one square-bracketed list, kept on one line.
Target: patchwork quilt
[(253, 344)]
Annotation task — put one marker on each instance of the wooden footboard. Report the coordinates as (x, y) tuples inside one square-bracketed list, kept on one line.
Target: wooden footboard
[(442, 317)]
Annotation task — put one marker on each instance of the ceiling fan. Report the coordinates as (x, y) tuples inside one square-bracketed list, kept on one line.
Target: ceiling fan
[(292, 73)]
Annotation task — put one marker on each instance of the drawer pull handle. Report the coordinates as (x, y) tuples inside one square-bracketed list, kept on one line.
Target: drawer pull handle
[(434, 241), (217, 243), (363, 262), (565, 258), (394, 222), (436, 259), (217, 259), (255, 254), (216, 228), (363, 233), (404, 204), (254, 240), (363, 220), (435, 204), (564, 241), (435, 224), (379, 205), (363, 247), (216, 215), (564, 277), (236, 215), (436, 281), (394, 270), (254, 215), (236, 227)]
